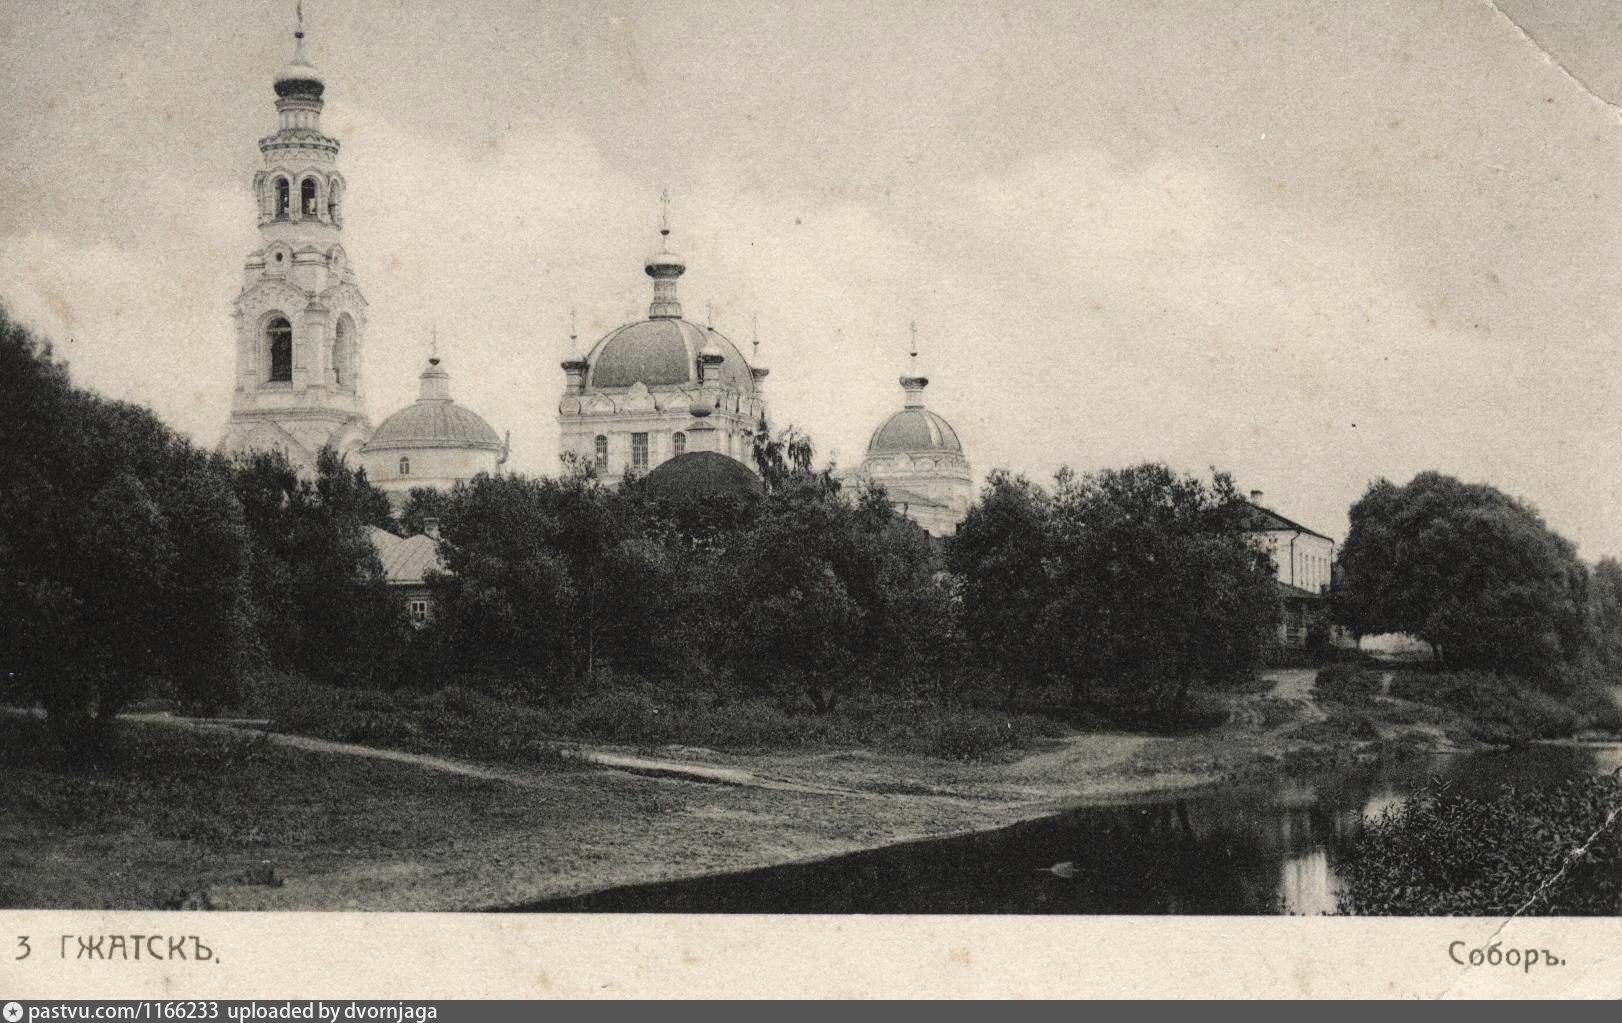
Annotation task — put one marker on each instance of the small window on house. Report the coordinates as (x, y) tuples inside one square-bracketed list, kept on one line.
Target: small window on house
[(283, 198), (307, 197), (405, 466), (639, 451), (600, 449), (678, 443), (279, 338), (417, 607)]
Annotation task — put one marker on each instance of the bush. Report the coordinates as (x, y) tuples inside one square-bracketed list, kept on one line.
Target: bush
[(1346, 683), (1499, 709), (1443, 854)]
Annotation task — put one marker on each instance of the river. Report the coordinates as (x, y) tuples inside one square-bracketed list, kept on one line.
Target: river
[(1265, 847)]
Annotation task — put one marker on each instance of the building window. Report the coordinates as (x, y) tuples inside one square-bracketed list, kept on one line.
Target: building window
[(279, 338), (307, 197), (334, 193), (405, 466), (283, 198), (639, 451), (417, 608), (600, 449), (343, 339), (678, 443)]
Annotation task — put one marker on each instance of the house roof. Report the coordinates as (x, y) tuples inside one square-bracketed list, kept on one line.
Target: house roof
[(1289, 592), (1263, 520), (406, 560)]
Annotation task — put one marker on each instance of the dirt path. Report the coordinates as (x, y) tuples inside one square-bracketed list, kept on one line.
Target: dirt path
[(1294, 685)]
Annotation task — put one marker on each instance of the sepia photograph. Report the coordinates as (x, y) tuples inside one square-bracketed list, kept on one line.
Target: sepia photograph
[(895, 462)]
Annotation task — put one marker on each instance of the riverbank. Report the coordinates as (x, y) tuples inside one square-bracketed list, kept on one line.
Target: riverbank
[(210, 815)]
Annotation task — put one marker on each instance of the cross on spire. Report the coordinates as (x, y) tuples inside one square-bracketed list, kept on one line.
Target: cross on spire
[(756, 335), (664, 213), (433, 344), (913, 327)]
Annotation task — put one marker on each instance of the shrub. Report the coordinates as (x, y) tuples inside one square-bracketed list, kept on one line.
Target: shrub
[(1442, 854), (1346, 683), (1499, 709)]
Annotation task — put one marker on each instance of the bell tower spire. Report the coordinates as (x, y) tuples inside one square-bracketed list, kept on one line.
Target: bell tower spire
[(300, 316)]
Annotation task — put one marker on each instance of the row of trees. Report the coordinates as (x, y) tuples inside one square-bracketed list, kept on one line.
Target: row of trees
[(133, 562), (1132, 585)]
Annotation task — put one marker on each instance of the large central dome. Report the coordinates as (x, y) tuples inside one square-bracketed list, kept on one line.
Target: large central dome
[(663, 352)]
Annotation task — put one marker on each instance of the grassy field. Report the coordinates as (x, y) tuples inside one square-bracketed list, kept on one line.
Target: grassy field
[(184, 820)]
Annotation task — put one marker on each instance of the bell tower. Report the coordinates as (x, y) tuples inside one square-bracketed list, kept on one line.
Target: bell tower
[(300, 318)]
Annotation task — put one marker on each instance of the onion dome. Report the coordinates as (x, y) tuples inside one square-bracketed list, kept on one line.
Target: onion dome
[(434, 421), (702, 474), (299, 77)]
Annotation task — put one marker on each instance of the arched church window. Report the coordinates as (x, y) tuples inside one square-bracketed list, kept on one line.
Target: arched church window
[(279, 339), (283, 198), (405, 465), (343, 351), (600, 449), (334, 191), (678, 443), (307, 197)]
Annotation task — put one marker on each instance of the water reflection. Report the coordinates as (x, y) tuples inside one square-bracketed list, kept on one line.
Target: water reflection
[(1271, 847)]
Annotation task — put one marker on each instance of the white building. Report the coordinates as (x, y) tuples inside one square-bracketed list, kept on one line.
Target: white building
[(1304, 562), (300, 318), (657, 388)]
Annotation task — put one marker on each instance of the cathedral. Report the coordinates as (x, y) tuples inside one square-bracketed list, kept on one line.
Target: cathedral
[(657, 392)]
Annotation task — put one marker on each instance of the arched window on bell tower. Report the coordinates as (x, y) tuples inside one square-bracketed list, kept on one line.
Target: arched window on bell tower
[(279, 342), (309, 202), (283, 198), (334, 192), (343, 352)]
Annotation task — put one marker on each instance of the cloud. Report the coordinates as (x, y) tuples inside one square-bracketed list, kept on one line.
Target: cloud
[(1072, 309)]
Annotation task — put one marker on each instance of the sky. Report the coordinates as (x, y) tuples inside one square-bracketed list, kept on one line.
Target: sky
[(1312, 244)]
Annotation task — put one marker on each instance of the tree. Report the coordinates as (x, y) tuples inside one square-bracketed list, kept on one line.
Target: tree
[(1470, 570), (122, 554), (548, 578), (1606, 612), (1155, 587), (1000, 553), (322, 605), (421, 504)]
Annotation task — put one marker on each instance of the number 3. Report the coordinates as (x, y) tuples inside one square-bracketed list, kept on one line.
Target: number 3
[(22, 942)]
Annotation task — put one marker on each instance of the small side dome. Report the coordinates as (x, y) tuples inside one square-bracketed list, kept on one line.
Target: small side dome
[(914, 430), (434, 421), (702, 474)]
